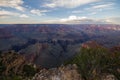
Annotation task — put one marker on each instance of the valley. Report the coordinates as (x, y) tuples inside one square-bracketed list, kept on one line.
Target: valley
[(49, 45)]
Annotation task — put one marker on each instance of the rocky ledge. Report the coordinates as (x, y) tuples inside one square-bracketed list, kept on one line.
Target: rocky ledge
[(68, 72)]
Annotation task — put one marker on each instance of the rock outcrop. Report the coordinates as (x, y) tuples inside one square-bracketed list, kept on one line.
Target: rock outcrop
[(13, 62), (62, 73)]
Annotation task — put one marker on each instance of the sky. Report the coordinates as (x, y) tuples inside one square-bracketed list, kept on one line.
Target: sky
[(59, 11)]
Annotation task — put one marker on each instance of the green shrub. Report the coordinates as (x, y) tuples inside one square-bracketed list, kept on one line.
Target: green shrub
[(94, 61), (2, 68), (29, 70), (15, 77)]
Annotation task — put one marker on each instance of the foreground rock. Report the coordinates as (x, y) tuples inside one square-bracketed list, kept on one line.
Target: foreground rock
[(62, 73), (65, 73)]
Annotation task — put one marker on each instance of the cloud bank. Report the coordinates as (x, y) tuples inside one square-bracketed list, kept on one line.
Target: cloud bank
[(4, 14), (38, 12), (84, 20), (16, 4), (67, 3)]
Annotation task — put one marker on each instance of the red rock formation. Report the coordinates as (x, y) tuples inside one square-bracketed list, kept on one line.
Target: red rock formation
[(91, 44), (114, 49)]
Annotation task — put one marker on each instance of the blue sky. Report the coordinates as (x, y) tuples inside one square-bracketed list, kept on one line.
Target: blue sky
[(59, 11)]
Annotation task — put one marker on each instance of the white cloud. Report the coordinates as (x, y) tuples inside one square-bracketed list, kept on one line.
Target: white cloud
[(38, 12), (93, 13), (103, 6), (4, 13), (84, 20), (67, 3), (76, 20), (114, 20), (24, 16), (100, 7), (77, 11), (96, 8), (72, 18), (51, 5), (16, 4)]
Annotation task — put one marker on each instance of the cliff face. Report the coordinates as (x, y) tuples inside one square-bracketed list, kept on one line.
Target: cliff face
[(90, 44), (12, 62), (5, 34), (48, 45), (14, 66)]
